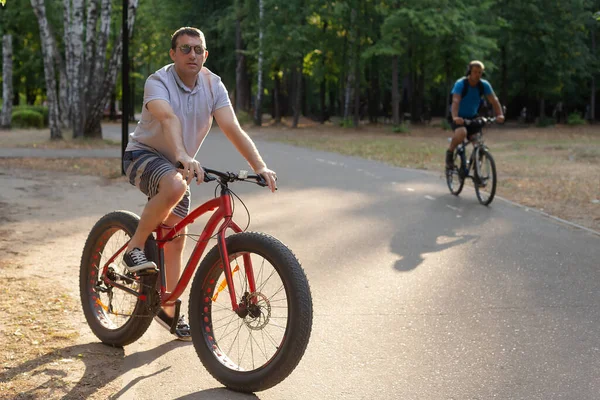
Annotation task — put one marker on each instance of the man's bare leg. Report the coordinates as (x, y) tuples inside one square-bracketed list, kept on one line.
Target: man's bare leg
[(172, 188), (173, 253), (459, 136)]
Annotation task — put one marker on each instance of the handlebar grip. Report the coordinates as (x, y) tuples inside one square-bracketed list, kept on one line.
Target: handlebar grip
[(260, 181)]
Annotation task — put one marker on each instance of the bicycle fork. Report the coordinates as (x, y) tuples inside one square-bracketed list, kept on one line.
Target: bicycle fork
[(239, 308)]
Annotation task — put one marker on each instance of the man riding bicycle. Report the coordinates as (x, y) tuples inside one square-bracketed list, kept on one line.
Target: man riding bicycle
[(467, 95), (180, 101)]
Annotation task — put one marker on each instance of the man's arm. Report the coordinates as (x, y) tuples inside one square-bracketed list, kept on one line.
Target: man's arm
[(497, 107), (455, 106), (230, 126), (172, 134)]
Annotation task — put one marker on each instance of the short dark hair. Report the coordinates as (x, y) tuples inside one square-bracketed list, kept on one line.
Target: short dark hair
[(187, 30)]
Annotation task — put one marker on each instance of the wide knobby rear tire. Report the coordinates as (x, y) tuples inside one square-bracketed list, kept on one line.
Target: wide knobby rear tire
[(454, 178), (485, 176), (256, 351), (122, 319)]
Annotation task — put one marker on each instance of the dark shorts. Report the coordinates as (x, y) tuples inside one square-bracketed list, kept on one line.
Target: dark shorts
[(145, 168), (472, 129)]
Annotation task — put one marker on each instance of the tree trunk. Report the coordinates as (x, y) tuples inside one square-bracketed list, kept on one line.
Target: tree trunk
[(90, 42), (242, 95), (76, 57), (97, 69), (48, 56), (373, 92), (276, 97), (395, 93), (298, 94), (105, 87), (323, 84), (258, 103), (357, 88), (7, 80), (63, 91), (592, 115), (351, 66), (322, 93), (504, 74), (542, 107)]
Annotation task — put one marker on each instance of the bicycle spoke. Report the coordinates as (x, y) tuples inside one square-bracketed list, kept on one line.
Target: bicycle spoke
[(264, 353)]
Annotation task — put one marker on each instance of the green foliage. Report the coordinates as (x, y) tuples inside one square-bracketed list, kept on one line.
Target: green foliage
[(27, 119), (244, 118), (445, 125), (43, 110), (544, 122), (402, 128), (575, 119), (532, 50), (347, 123)]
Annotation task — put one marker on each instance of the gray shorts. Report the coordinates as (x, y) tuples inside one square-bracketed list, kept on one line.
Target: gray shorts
[(145, 168)]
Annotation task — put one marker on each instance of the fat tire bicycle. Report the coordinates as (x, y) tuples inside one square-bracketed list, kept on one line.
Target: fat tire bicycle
[(250, 308), (480, 162)]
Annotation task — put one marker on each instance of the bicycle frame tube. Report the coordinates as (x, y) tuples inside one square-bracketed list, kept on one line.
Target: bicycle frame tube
[(223, 211)]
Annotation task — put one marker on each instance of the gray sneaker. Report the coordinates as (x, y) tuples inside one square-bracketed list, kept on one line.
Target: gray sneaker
[(182, 329), (136, 261)]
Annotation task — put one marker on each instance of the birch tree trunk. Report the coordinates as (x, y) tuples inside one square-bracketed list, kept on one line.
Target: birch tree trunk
[(63, 92), (97, 67), (258, 103), (68, 54), (7, 78), (90, 42), (49, 73), (75, 56), (105, 82)]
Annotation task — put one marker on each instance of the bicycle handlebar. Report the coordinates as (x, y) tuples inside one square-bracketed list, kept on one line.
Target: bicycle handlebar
[(242, 176), (480, 120)]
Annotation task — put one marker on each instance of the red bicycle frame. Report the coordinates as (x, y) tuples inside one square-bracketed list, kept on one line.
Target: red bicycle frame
[(222, 211)]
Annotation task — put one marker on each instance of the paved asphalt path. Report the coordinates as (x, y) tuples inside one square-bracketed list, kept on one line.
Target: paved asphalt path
[(417, 294)]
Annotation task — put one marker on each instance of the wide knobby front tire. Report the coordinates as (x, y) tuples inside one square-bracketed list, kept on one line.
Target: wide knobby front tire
[(485, 176), (116, 317), (454, 177), (260, 346)]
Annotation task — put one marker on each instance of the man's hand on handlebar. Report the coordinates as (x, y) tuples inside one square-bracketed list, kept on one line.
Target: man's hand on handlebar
[(270, 178), (459, 121), (500, 119), (190, 169)]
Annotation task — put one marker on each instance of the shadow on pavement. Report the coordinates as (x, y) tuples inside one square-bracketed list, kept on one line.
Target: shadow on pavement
[(103, 364), (217, 394)]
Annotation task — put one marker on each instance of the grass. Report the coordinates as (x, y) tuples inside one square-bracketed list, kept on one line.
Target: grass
[(33, 325), (109, 168)]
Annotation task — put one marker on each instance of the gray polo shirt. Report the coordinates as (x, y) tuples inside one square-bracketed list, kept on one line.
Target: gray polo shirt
[(194, 107)]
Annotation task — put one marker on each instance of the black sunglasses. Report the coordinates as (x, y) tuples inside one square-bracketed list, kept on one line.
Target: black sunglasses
[(186, 48)]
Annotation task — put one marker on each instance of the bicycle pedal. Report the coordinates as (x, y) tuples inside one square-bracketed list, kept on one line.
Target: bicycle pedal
[(146, 272)]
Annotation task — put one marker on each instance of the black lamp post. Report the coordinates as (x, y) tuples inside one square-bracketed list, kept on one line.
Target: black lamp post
[(125, 85)]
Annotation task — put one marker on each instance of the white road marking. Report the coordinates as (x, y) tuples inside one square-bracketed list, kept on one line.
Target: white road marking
[(428, 197)]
